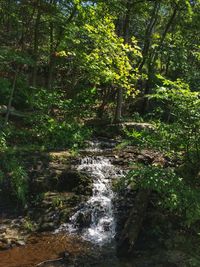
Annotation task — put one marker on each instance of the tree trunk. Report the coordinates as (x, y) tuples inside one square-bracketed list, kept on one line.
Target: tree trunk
[(105, 96), (54, 43), (153, 58), (51, 58), (149, 32), (11, 98), (35, 46), (166, 30), (125, 34), (118, 110)]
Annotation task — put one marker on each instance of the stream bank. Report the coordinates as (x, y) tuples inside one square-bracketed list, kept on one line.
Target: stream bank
[(64, 190)]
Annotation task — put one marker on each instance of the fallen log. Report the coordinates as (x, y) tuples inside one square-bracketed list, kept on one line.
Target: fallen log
[(134, 223)]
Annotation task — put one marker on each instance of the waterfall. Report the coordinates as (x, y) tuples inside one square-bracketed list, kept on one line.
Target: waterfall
[(95, 220)]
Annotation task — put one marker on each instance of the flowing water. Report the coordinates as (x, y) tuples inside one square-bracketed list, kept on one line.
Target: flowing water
[(90, 233), (95, 220)]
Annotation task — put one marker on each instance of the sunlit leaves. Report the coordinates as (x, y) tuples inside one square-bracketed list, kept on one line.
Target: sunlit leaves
[(184, 111), (106, 57)]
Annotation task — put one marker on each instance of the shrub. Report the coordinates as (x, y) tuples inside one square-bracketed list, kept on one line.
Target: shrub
[(13, 178), (173, 192)]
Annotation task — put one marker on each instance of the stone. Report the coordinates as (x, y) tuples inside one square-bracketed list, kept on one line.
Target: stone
[(106, 226), (69, 180), (20, 242), (3, 245), (47, 226), (84, 219)]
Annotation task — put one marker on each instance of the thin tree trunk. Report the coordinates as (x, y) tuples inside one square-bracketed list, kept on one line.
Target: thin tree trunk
[(118, 110), (8, 24), (152, 59), (167, 28), (149, 31), (11, 98), (54, 44), (167, 65), (35, 46), (105, 96), (51, 63), (125, 34)]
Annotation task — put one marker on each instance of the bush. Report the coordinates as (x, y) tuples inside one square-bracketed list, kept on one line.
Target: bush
[(54, 123), (13, 178), (55, 134), (173, 192), (184, 106)]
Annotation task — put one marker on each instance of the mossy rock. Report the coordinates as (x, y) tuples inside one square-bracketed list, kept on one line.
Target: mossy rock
[(74, 181)]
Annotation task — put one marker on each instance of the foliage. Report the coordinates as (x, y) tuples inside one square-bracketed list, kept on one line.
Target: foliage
[(3, 144), (54, 134), (13, 177), (174, 193), (53, 123), (29, 224), (14, 62), (63, 62), (184, 110), (108, 60), (176, 134), (179, 133)]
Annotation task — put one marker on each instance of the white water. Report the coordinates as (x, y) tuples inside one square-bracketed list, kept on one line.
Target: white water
[(99, 208), (99, 146)]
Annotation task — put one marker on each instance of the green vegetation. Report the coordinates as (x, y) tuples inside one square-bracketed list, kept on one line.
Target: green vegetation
[(174, 192), (13, 178), (176, 134), (66, 63)]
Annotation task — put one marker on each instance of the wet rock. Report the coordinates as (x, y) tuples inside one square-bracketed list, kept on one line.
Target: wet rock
[(20, 242), (143, 159), (47, 226), (65, 214), (12, 233), (84, 219), (106, 226), (73, 181), (2, 245)]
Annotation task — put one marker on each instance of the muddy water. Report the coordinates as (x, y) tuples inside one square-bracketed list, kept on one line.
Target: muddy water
[(42, 248)]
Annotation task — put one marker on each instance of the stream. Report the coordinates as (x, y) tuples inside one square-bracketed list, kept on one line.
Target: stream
[(90, 231), (88, 237), (95, 221)]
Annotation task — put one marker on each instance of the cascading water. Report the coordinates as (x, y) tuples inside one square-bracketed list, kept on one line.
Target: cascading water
[(95, 220)]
